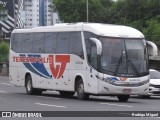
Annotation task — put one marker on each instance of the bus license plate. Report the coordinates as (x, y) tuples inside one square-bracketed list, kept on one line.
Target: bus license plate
[(127, 90)]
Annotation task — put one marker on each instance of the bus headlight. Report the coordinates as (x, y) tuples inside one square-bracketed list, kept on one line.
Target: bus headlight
[(144, 82), (107, 80)]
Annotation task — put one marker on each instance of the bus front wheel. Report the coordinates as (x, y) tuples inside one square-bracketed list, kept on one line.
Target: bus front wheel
[(29, 87), (80, 91), (123, 98)]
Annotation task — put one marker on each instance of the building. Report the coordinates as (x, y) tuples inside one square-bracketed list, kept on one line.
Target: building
[(31, 11), (38, 13), (7, 23), (25, 14)]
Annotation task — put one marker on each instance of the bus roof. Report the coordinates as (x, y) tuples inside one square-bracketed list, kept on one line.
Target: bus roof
[(108, 30)]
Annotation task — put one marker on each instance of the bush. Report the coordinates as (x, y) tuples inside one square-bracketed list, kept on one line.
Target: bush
[(152, 31), (4, 51)]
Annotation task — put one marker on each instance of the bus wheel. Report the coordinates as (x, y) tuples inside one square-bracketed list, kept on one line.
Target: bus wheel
[(29, 88), (123, 98), (80, 91), (66, 93)]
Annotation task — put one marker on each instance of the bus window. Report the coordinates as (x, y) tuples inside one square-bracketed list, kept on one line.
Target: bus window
[(26, 43), (76, 44), (38, 43), (16, 42), (63, 43), (50, 42)]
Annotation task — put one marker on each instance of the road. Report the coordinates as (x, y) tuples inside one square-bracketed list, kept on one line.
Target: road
[(15, 99)]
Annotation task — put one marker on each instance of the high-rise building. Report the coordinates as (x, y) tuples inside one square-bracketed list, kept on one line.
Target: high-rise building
[(6, 16), (26, 14), (31, 10), (38, 13)]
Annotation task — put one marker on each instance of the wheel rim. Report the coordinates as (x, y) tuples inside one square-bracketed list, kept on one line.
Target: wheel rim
[(29, 85), (80, 89)]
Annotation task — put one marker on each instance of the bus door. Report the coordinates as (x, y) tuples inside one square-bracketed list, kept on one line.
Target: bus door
[(92, 82)]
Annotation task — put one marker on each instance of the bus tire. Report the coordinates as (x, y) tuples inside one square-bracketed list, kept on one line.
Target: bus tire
[(123, 98), (66, 93), (29, 87), (80, 91)]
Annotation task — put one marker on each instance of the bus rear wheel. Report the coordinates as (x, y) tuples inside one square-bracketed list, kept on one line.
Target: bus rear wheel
[(123, 98), (80, 91), (66, 93), (29, 87)]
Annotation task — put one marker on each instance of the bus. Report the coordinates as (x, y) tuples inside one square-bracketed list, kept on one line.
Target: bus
[(86, 58)]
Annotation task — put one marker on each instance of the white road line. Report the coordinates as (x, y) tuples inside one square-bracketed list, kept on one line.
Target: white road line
[(116, 105), (50, 105), (3, 92), (7, 84), (157, 117), (48, 97), (2, 99)]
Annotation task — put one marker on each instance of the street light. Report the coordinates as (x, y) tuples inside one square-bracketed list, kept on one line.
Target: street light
[(87, 9)]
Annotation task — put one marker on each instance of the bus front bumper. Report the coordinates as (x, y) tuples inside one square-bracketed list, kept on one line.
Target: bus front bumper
[(105, 88)]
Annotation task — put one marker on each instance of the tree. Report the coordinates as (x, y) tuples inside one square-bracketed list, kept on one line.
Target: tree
[(4, 51), (152, 31), (75, 10), (140, 14)]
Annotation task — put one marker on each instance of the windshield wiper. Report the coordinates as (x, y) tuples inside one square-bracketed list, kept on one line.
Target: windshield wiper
[(119, 62), (129, 60), (133, 66)]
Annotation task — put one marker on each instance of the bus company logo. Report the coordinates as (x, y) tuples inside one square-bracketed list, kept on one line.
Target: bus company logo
[(58, 70), (35, 63), (123, 78)]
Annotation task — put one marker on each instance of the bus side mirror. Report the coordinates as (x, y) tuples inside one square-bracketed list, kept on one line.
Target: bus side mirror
[(98, 45)]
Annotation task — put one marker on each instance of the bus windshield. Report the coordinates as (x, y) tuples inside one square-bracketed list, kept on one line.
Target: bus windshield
[(124, 57)]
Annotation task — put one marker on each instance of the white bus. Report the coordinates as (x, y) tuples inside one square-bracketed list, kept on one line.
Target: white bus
[(87, 58)]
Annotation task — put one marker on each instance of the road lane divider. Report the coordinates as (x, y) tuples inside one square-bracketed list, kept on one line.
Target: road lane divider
[(7, 84), (50, 105), (2, 99), (48, 97), (3, 92), (116, 105)]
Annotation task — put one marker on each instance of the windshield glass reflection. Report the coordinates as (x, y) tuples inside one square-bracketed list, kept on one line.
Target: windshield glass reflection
[(124, 56)]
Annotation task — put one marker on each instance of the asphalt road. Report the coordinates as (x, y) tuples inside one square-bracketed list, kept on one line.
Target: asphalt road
[(15, 99)]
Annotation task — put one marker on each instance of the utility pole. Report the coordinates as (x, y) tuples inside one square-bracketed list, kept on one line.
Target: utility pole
[(87, 10)]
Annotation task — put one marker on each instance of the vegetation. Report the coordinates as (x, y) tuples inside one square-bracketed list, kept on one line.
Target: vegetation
[(4, 51), (140, 14)]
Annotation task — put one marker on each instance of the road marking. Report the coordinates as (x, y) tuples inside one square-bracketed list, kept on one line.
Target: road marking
[(2, 99), (48, 97), (3, 92), (157, 117), (50, 105), (7, 84), (116, 105)]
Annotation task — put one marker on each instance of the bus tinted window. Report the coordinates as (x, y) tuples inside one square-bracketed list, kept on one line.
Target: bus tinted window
[(38, 43), (16, 42), (50, 43), (63, 43), (76, 44), (87, 36), (26, 43)]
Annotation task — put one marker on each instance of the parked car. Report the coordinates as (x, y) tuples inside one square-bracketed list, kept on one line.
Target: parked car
[(154, 86)]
